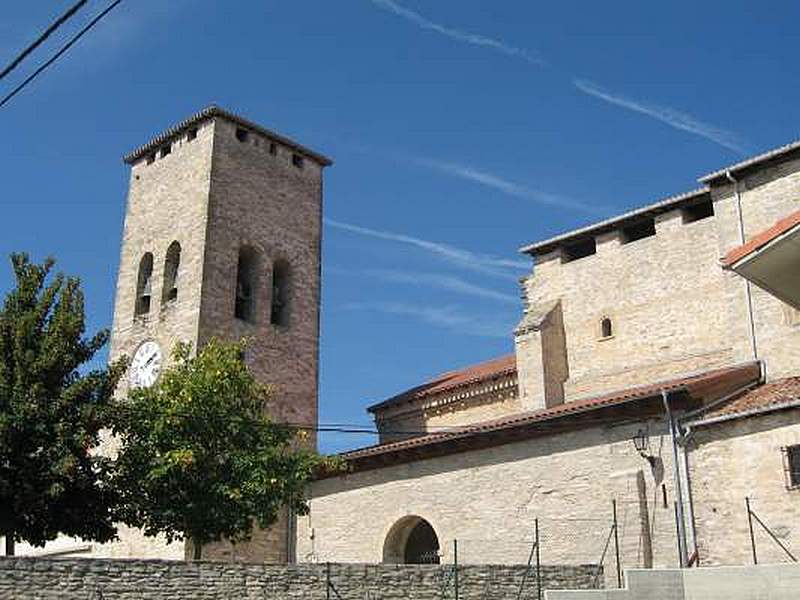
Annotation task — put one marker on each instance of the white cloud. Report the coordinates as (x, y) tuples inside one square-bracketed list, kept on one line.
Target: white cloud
[(509, 187), (447, 283), (670, 116), (457, 34), (446, 317), (667, 115), (466, 259)]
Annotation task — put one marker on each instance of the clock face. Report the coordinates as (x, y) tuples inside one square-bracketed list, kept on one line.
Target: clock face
[(146, 365)]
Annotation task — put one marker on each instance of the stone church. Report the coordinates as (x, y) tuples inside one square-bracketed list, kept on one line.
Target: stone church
[(656, 365)]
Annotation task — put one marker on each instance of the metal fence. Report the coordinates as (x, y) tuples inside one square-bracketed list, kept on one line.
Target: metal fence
[(573, 551), (765, 539), (456, 581)]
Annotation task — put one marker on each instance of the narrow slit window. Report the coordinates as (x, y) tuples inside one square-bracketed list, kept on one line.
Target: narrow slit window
[(792, 464), (279, 309), (246, 284), (242, 134), (169, 291), (297, 161), (638, 231), (606, 327), (273, 148), (578, 250), (144, 285)]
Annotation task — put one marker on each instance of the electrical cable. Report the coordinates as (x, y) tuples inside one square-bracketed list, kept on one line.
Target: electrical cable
[(58, 54), (453, 430), (46, 34)]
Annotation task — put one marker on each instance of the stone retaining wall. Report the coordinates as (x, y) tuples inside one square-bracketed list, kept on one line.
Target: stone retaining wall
[(96, 579)]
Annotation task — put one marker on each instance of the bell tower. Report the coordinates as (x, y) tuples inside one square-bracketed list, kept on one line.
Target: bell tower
[(222, 239)]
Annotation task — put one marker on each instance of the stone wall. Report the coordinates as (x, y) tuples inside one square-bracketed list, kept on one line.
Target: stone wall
[(41, 579), (214, 192), (167, 201), (672, 306), (740, 458), (766, 195), (665, 296), (488, 500), (262, 200)]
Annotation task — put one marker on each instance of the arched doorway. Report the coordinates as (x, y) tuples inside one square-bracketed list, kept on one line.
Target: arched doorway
[(413, 541)]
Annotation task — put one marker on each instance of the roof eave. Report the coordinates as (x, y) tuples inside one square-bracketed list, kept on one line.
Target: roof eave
[(659, 207), (711, 383), (743, 414), (209, 113), (418, 393), (493, 437), (756, 161)]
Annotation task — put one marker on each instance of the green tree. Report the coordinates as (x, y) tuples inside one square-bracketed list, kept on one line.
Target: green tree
[(51, 414), (200, 459)]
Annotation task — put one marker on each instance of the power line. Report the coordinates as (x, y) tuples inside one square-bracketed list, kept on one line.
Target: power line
[(46, 34), (58, 54), (443, 430)]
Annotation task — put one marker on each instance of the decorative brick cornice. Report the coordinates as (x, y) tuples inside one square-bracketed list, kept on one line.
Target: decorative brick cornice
[(462, 380), (497, 389)]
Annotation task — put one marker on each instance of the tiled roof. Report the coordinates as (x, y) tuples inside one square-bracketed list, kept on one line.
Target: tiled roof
[(770, 396), (714, 383), (454, 379), (215, 111), (762, 239)]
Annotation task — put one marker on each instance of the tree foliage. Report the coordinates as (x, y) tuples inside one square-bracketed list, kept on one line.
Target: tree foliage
[(51, 414), (200, 459)]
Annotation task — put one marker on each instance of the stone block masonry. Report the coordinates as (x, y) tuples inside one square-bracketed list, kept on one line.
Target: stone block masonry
[(245, 208), (42, 579)]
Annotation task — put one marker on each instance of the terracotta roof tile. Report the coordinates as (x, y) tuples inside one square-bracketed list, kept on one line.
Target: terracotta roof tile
[(774, 395), (762, 239), (507, 429), (454, 379)]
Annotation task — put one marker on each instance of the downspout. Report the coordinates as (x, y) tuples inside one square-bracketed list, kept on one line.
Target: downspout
[(690, 501), (685, 432), (673, 431), (747, 290)]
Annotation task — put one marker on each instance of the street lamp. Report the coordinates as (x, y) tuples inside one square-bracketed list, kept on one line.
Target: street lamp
[(641, 441)]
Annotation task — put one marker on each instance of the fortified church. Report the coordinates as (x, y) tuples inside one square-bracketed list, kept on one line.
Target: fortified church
[(656, 364)]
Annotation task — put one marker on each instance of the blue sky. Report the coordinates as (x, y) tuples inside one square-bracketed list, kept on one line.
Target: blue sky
[(461, 130)]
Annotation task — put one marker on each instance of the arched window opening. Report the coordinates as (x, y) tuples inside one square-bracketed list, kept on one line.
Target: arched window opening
[(606, 329), (279, 311), (412, 540), (246, 284), (144, 285), (169, 291)]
